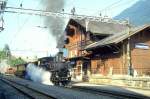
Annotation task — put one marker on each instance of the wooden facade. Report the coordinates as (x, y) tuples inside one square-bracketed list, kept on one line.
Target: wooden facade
[(140, 57), (107, 64), (121, 53), (76, 40), (105, 61), (78, 36)]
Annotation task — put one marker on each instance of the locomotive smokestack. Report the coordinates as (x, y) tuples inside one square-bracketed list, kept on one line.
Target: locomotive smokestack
[(60, 55)]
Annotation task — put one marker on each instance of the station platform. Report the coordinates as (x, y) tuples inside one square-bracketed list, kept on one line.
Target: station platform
[(115, 89)]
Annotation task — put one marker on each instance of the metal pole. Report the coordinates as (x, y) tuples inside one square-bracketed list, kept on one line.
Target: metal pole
[(81, 56), (129, 52)]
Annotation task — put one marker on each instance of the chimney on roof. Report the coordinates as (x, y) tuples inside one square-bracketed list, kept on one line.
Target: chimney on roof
[(86, 24)]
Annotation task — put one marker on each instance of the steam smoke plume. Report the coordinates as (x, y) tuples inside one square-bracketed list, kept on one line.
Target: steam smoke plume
[(3, 66), (55, 24), (38, 74)]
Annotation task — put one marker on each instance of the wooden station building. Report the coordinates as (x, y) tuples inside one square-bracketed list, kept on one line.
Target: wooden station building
[(80, 34), (125, 53)]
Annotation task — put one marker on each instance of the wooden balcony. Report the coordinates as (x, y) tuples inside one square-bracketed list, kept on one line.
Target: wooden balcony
[(80, 45)]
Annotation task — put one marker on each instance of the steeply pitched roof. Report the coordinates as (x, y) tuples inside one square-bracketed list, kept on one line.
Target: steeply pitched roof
[(105, 28), (98, 27), (76, 22), (116, 38)]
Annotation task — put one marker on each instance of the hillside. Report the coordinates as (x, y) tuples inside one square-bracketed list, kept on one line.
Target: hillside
[(138, 14)]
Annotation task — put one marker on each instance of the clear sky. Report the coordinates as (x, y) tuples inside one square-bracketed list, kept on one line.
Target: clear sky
[(26, 39)]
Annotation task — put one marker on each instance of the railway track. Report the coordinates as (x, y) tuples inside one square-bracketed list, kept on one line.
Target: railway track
[(113, 94), (27, 91), (32, 93)]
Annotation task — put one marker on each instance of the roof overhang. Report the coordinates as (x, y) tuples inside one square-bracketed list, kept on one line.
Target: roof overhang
[(116, 38)]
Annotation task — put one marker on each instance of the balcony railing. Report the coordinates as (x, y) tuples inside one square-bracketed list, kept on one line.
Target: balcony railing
[(80, 45)]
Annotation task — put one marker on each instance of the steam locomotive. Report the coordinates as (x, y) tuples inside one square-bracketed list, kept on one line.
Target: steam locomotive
[(60, 74)]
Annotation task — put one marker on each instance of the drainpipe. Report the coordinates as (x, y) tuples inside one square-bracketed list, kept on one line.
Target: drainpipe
[(81, 57), (129, 57), (129, 52)]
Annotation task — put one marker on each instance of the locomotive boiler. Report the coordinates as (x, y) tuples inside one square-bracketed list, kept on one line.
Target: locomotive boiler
[(59, 69)]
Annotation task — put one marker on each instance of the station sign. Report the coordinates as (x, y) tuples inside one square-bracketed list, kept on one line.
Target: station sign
[(142, 46)]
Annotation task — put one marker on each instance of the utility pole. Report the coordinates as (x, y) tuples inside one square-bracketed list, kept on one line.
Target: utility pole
[(2, 8)]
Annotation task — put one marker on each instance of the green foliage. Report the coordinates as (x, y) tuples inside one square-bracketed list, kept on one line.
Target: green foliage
[(2, 55), (6, 54), (16, 61)]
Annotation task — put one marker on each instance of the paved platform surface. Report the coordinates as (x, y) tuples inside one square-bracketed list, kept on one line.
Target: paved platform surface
[(122, 89)]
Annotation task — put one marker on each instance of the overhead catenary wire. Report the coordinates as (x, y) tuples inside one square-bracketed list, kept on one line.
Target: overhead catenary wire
[(24, 23), (109, 8), (58, 14), (105, 10), (40, 13), (91, 9), (111, 5), (123, 3), (47, 13), (21, 3), (27, 50)]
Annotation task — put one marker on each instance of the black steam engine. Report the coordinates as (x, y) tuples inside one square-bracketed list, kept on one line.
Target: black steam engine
[(59, 69)]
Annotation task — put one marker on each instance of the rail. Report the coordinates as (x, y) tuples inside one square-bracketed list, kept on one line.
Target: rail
[(30, 92)]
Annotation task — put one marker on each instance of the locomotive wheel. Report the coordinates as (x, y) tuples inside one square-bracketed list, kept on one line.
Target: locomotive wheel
[(64, 83), (56, 83)]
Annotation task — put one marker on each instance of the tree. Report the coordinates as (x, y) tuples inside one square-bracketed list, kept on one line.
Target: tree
[(16, 61), (7, 51), (2, 55), (6, 54)]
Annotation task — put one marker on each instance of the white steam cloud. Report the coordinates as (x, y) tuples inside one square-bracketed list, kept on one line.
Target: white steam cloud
[(38, 74), (3, 66)]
